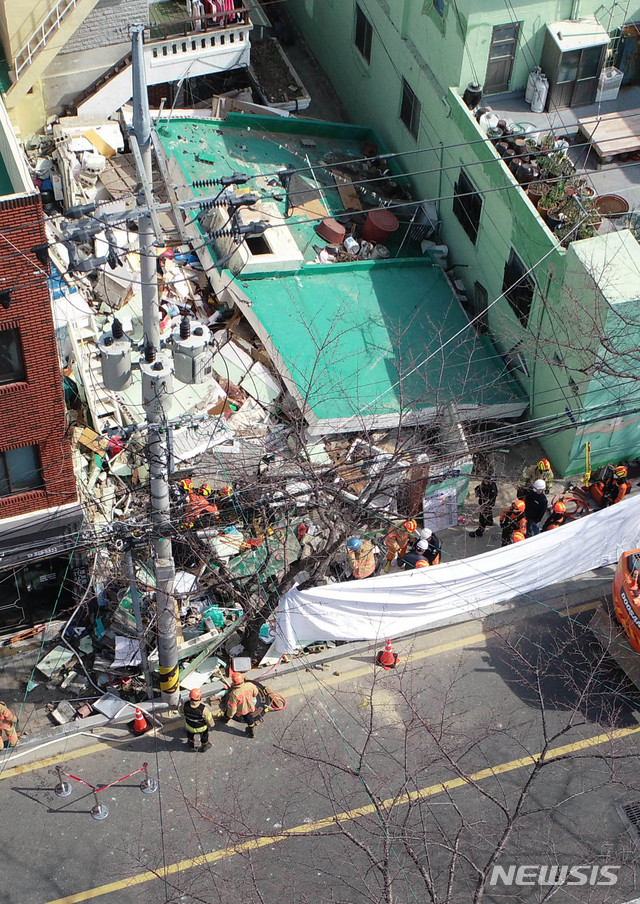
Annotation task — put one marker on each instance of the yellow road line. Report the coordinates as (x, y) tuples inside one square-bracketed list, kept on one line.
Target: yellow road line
[(347, 816), (294, 691)]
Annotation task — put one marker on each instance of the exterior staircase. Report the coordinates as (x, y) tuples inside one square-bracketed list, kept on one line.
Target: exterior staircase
[(46, 40)]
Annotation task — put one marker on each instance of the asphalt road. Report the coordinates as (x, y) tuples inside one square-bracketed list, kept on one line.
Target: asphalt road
[(370, 786)]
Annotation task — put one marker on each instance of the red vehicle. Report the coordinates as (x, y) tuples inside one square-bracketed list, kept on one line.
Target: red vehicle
[(626, 596)]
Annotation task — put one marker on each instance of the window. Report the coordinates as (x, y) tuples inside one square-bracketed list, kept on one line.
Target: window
[(11, 360), (410, 109), (518, 288), (467, 205), (20, 470), (363, 34), (480, 307), (438, 5)]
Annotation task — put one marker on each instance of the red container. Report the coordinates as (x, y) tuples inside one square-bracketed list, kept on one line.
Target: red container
[(331, 231), (379, 226)]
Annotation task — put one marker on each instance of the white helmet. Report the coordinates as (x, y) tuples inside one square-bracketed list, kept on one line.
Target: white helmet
[(422, 545), (539, 485), (426, 533)]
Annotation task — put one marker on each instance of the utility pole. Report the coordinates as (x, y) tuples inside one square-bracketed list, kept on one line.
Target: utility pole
[(157, 372)]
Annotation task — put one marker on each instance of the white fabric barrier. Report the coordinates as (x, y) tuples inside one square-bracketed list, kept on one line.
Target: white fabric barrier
[(394, 604)]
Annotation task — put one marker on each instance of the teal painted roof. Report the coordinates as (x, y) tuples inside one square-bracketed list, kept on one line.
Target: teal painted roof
[(360, 338), (377, 338)]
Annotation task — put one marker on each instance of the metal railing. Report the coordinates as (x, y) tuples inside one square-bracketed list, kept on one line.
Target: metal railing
[(49, 25), (182, 28)]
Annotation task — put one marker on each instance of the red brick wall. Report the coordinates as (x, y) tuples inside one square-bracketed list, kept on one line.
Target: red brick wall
[(33, 412)]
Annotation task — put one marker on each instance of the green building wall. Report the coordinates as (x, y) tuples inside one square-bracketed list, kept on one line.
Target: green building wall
[(438, 56)]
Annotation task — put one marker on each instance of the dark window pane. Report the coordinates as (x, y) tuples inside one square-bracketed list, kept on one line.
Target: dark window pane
[(467, 205), (11, 361), (438, 5), (590, 62), (20, 470), (410, 109), (518, 287), (363, 34)]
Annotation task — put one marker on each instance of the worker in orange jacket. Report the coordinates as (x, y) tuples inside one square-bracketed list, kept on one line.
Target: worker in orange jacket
[(242, 702), (8, 725), (613, 488), (511, 520), (198, 506), (557, 518), (397, 541)]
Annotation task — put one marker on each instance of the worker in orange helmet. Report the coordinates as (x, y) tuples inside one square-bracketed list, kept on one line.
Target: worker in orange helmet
[(397, 541), (198, 719), (8, 726), (513, 519), (205, 490), (540, 471), (186, 484), (198, 508), (557, 516), (226, 491), (242, 701), (613, 488), (517, 536)]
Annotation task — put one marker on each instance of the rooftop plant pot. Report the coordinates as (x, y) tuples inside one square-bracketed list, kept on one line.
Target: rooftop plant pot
[(612, 206)]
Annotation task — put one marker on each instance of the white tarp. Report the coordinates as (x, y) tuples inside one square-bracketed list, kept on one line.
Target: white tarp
[(394, 604)]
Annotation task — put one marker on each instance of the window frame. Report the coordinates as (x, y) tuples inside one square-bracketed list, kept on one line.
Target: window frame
[(363, 29), (9, 487), (412, 122), (19, 374), (515, 287), (467, 205)]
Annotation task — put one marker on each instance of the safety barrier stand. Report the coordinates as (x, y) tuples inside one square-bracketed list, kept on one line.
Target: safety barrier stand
[(100, 811)]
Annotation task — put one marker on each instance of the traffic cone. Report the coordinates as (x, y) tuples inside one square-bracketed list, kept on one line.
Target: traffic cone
[(387, 658), (139, 724)]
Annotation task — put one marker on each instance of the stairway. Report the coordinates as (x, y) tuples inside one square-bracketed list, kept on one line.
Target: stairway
[(44, 43), (94, 88)]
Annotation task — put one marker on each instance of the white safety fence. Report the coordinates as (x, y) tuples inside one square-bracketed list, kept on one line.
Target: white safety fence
[(390, 605)]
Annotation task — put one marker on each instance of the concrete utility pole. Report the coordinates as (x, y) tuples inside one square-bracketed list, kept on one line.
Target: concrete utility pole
[(157, 373)]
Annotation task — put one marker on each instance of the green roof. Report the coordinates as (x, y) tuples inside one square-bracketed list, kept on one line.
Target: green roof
[(358, 343), (369, 340)]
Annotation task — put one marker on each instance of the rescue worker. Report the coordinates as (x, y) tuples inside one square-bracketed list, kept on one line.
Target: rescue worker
[(198, 507), (397, 541), (433, 549), (8, 726), (535, 507), (512, 519), (416, 557), (613, 488), (242, 702), (486, 494), (557, 516), (540, 471), (198, 719), (517, 536), (362, 560)]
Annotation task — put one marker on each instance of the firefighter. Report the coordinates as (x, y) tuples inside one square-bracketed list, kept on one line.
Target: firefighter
[(242, 702), (8, 726), (557, 516), (397, 541), (517, 536), (613, 488), (486, 494), (198, 506), (362, 558), (416, 557), (198, 719), (540, 471), (512, 519), (535, 507)]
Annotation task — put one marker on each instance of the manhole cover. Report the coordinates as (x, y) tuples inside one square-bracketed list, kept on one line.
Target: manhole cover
[(630, 815)]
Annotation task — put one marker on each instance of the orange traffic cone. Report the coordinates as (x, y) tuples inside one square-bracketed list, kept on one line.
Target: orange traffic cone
[(139, 724), (387, 658)]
